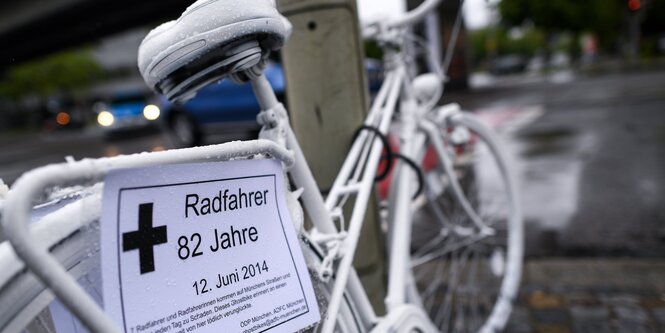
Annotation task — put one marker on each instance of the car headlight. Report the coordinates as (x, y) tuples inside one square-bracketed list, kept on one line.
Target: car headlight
[(151, 112), (105, 118)]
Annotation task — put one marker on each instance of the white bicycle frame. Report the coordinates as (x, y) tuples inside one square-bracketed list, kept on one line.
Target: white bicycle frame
[(356, 178), (278, 141)]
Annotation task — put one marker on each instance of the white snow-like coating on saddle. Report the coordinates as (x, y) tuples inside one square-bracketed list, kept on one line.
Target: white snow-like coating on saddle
[(217, 22)]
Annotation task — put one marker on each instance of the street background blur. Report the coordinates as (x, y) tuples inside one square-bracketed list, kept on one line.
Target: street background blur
[(576, 89)]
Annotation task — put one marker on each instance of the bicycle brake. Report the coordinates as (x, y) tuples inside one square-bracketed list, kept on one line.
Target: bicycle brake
[(332, 245)]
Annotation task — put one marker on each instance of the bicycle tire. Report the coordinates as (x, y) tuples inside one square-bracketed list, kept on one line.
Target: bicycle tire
[(466, 280), (24, 298)]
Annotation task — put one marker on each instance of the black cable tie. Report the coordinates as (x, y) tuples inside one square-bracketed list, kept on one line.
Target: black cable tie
[(386, 144), (417, 169)]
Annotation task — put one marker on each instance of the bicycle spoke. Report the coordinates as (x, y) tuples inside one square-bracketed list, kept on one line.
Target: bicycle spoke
[(473, 284), (429, 245), (449, 248), (459, 276), (430, 292), (447, 310)]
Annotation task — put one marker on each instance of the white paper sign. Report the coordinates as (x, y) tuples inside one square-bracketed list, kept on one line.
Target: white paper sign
[(203, 248)]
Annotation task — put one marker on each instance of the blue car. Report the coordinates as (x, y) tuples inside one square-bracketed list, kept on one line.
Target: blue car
[(225, 107), (230, 109), (127, 111)]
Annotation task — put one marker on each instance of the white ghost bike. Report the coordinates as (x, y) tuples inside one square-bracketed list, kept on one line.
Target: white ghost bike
[(453, 224)]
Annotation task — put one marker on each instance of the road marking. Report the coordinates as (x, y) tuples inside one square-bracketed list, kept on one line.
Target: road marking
[(506, 120)]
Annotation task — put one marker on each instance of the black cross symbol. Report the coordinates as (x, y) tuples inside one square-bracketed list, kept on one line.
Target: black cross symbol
[(145, 238)]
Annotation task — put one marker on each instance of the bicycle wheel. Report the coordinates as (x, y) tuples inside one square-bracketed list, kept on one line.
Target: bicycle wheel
[(467, 233), (27, 303), (25, 300)]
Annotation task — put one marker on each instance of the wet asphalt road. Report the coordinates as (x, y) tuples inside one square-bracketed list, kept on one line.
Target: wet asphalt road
[(590, 153), (591, 163), (20, 153)]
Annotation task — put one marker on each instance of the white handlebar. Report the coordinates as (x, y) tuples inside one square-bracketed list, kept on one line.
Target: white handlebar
[(415, 15), (411, 17)]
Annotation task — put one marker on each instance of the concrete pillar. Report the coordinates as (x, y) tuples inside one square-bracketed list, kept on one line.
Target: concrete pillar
[(327, 101)]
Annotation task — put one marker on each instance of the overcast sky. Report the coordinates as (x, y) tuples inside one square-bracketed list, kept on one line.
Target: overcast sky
[(476, 14)]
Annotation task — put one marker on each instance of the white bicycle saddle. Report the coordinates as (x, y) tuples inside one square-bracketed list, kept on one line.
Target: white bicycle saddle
[(211, 39)]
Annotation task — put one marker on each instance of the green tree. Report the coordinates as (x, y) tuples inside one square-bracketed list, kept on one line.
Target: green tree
[(654, 21), (484, 41), (602, 17), (64, 71), (653, 27)]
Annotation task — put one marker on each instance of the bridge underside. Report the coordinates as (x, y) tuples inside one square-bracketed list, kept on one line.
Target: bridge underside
[(32, 28)]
